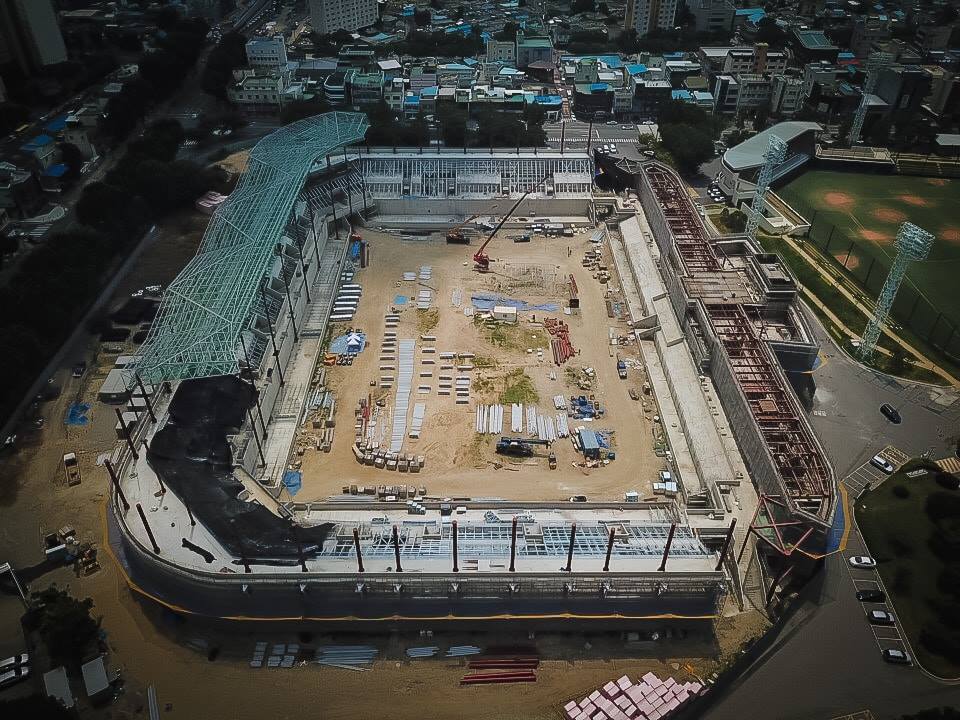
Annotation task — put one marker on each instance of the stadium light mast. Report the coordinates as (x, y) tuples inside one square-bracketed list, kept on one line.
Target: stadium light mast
[(913, 243), (776, 154), (875, 64)]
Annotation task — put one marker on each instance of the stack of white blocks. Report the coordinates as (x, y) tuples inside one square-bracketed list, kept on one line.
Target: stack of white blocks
[(651, 699)]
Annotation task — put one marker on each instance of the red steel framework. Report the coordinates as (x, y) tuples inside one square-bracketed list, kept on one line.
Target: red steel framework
[(689, 234), (804, 473)]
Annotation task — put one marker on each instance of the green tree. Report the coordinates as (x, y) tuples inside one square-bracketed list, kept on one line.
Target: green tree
[(508, 33), (98, 204), (12, 116), (35, 707), (582, 6), (65, 625), (690, 145), (229, 54), (71, 156)]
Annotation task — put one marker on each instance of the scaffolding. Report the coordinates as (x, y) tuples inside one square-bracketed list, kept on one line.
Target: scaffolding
[(913, 243), (796, 456), (772, 159), (875, 65), (205, 311)]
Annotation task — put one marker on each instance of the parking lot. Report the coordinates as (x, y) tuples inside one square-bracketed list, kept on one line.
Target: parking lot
[(869, 474), (887, 637)]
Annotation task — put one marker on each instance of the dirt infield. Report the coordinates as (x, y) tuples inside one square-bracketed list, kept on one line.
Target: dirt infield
[(875, 236), (889, 215), (915, 200), (849, 260), (937, 182), (838, 200), (950, 234)]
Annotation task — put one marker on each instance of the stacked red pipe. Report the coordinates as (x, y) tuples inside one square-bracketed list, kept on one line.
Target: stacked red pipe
[(560, 343)]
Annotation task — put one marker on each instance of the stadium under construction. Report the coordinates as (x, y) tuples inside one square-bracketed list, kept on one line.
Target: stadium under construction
[(225, 374)]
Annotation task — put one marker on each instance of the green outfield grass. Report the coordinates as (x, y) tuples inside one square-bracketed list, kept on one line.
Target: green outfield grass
[(867, 210)]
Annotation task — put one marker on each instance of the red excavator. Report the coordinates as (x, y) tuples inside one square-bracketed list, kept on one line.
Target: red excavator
[(456, 236), (480, 259)]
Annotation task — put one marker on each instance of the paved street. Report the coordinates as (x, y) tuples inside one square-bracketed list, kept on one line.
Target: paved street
[(575, 133), (827, 660)]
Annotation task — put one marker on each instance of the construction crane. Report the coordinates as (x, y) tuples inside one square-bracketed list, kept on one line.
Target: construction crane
[(480, 259), (518, 447), (456, 236)]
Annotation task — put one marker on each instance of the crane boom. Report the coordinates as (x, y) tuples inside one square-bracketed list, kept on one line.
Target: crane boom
[(481, 259)]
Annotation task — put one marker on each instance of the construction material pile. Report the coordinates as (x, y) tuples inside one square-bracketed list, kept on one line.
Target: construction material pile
[(501, 671), (560, 343), (651, 699)]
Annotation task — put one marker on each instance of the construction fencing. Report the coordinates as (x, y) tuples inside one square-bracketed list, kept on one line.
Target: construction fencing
[(868, 266)]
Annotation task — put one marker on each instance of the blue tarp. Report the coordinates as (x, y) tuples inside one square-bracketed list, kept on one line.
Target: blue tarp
[(292, 481), (58, 170), (77, 414), (400, 299), (488, 302), (355, 249), (342, 345)]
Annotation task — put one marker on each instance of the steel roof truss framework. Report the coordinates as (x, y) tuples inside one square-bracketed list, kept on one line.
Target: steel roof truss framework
[(217, 296)]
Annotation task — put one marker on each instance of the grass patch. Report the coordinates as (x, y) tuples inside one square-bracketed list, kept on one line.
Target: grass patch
[(518, 388), (483, 362), (427, 319), (915, 538), (513, 337)]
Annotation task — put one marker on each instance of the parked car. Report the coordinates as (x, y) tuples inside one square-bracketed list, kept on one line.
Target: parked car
[(14, 675), (879, 461), (12, 662), (881, 617), (863, 561), (871, 596), (612, 122), (891, 413), (897, 657), (578, 498)]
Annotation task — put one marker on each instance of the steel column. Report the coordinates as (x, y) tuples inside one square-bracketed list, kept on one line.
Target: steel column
[(573, 536), (666, 548), (116, 484), (146, 526), (396, 548), (356, 544), (126, 434), (726, 545)]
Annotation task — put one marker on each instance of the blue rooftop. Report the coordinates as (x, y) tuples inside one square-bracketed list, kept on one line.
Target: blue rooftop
[(681, 95), (429, 91), (599, 87), (57, 124), (548, 100), (638, 69), (754, 14), (58, 170)]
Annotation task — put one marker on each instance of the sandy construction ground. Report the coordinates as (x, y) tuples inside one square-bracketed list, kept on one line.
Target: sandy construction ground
[(459, 461)]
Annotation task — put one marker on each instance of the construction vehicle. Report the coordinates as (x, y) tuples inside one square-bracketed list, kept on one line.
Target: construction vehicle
[(456, 236), (518, 447), (481, 261), (621, 368), (552, 461)]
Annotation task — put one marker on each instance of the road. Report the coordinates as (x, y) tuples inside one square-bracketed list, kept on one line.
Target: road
[(827, 662), (575, 133)]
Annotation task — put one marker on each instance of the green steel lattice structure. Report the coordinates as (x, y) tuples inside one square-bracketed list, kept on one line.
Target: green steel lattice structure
[(197, 329)]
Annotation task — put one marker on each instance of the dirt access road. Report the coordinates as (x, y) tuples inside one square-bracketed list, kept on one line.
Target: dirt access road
[(459, 462)]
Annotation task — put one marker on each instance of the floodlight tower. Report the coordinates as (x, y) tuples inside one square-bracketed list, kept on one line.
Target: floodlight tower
[(875, 65), (776, 154), (913, 243)]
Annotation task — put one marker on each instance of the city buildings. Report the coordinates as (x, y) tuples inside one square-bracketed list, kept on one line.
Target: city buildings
[(328, 16), (712, 16), (268, 53), (643, 16), (29, 35)]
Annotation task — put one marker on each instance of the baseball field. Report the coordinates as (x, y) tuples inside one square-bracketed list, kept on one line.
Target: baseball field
[(856, 217)]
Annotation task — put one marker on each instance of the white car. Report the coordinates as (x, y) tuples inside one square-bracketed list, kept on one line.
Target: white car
[(863, 561), (14, 675), (897, 657), (881, 617), (12, 662), (879, 461)]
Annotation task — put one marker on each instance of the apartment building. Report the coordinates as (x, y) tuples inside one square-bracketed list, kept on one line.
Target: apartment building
[(29, 35), (268, 53), (327, 16), (647, 15)]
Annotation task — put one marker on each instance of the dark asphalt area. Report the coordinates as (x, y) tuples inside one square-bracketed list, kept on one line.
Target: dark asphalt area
[(826, 661)]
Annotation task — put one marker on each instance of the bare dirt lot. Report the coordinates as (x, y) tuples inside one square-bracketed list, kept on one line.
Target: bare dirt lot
[(507, 365)]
